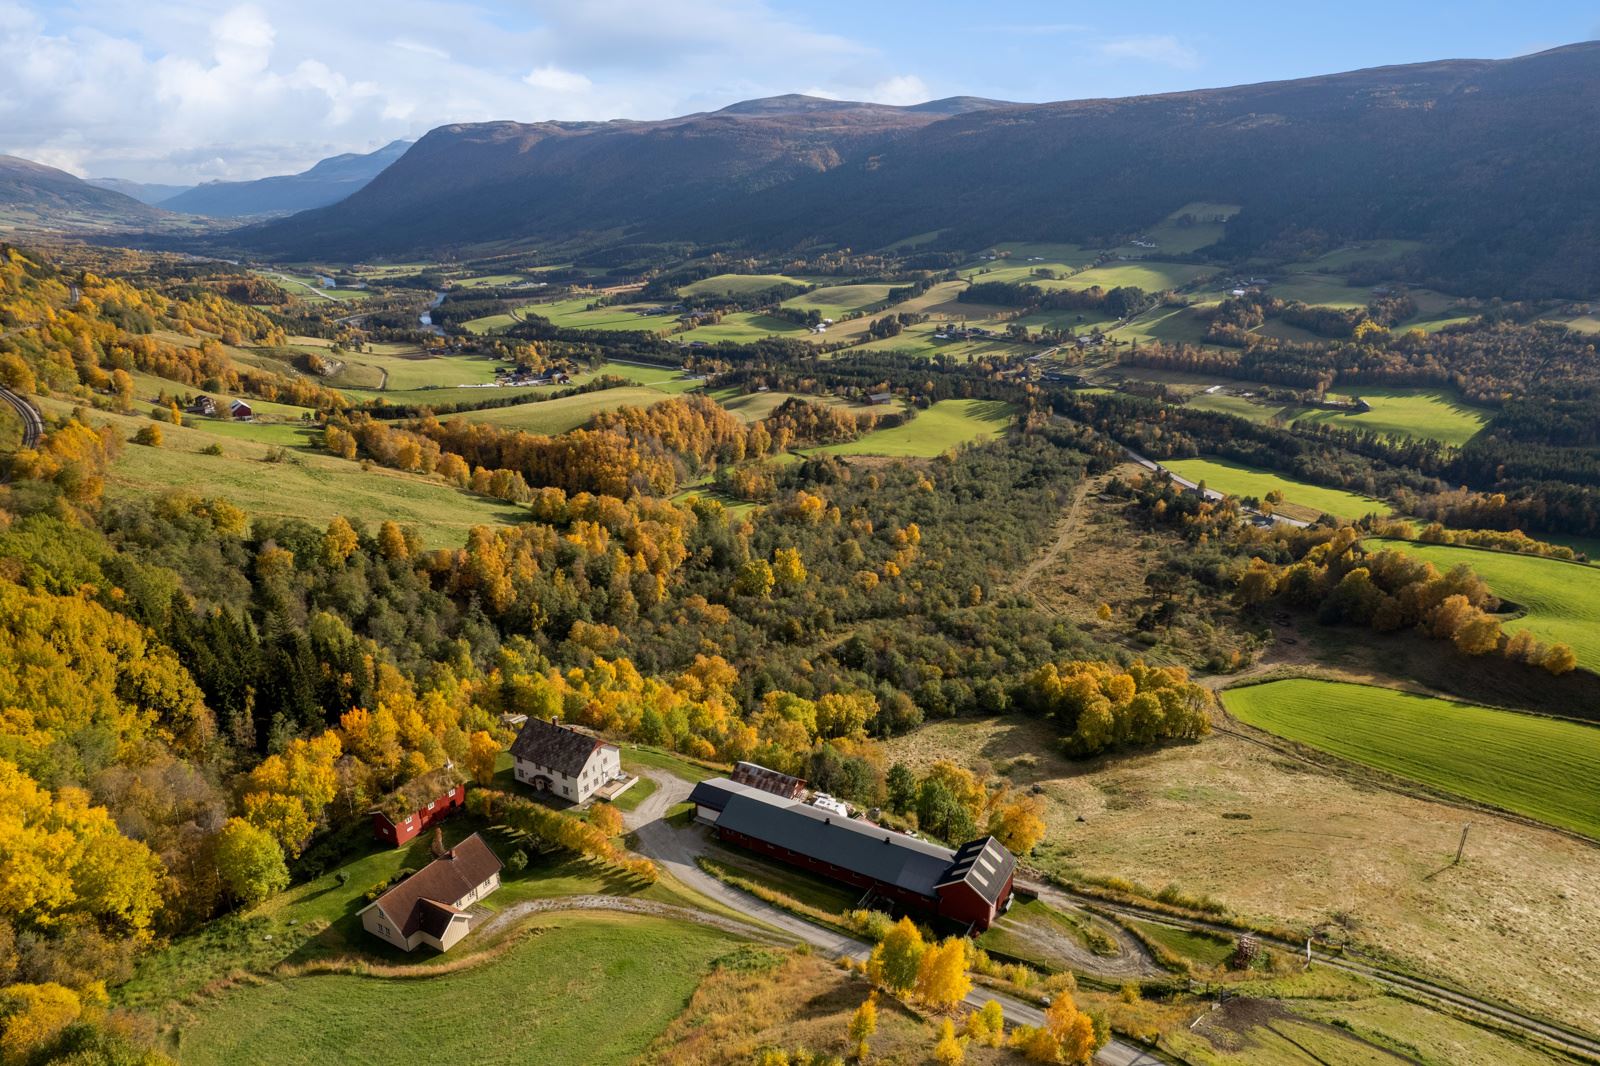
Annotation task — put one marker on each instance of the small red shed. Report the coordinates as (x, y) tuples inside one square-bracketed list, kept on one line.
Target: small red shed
[(398, 822)]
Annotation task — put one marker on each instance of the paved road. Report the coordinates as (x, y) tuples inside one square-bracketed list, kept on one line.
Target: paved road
[(675, 851), (32, 424)]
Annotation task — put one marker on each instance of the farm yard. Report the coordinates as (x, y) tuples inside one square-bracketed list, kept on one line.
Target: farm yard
[(1539, 767), (1301, 500), (1560, 600)]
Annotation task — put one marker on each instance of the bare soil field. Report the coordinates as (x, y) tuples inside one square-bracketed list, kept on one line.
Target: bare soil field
[(1281, 840)]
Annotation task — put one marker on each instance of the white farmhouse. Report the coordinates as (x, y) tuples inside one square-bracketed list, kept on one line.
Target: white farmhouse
[(567, 762), (430, 906)]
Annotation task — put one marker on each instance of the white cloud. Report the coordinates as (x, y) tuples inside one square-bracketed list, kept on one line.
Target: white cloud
[(554, 79), (901, 89), (179, 90), (1164, 49)]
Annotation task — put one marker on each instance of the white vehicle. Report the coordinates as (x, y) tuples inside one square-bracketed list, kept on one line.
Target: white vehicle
[(823, 801)]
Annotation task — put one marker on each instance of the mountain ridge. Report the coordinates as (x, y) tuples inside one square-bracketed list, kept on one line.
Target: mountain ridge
[(325, 182)]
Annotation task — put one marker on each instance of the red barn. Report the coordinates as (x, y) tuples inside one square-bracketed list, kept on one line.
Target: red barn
[(406, 815), (968, 887)]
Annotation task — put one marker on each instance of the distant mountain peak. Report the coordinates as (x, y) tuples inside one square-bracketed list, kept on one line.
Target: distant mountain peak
[(792, 104)]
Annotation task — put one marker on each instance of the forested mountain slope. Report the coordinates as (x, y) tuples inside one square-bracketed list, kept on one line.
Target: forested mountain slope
[(1442, 152)]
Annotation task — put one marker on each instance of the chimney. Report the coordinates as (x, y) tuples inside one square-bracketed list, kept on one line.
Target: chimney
[(438, 847)]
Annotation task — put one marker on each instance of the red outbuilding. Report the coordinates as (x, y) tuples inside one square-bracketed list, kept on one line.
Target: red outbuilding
[(418, 806)]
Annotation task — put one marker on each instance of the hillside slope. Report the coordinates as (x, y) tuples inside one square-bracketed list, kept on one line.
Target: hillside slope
[(36, 197), (1442, 152), (328, 182)]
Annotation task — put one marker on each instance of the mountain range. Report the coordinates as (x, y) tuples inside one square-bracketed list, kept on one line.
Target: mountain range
[(1445, 153), (36, 197), (328, 182), (145, 192)]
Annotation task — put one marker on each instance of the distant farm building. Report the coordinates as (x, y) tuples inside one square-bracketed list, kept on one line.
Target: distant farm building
[(567, 762), (203, 405), (420, 805), (429, 907), (240, 409), (968, 887), (878, 399)]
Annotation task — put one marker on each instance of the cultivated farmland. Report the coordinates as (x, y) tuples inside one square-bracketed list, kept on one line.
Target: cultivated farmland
[(1543, 768), (1304, 500), (737, 284), (568, 412), (945, 425), (1561, 599)]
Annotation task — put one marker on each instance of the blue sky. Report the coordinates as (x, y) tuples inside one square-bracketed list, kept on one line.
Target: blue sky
[(190, 90)]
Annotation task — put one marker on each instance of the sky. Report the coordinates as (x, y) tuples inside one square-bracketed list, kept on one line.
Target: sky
[(183, 91)]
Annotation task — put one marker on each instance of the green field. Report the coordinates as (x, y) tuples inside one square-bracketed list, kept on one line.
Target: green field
[(556, 992), (1539, 767), (1408, 413), (836, 301), (1236, 479), (1174, 325), (569, 412), (1364, 251), (1172, 238), (1144, 274), (1322, 289), (945, 425), (743, 326), (1562, 599), (622, 318), (737, 284), (754, 406)]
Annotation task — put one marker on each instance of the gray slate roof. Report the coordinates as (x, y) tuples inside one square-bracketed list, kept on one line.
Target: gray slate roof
[(849, 843), (561, 748), (717, 791), (985, 864)]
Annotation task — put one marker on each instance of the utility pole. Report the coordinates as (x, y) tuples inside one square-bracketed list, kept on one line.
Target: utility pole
[(1462, 847)]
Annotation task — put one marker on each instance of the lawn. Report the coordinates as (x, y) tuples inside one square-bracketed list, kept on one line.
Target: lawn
[(1561, 599), (836, 301), (568, 412), (737, 284), (945, 425), (1144, 274), (554, 993), (1543, 768), (1303, 500)]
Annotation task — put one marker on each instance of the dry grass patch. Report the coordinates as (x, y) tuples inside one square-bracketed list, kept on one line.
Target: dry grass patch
[(1282, 841)]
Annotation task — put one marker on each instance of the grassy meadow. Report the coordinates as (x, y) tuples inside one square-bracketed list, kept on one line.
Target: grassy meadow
[(945, 425), (555, 992), (836, 301), (1149, 275), (744, 326), (1561, 600), (1301, 500), (1543, 768), (568, 412), (1408, 413), (1171, 237), (737, 284)]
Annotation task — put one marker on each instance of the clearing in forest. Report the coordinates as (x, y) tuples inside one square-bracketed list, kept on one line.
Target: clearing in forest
[(1543, 768), (945, 425)]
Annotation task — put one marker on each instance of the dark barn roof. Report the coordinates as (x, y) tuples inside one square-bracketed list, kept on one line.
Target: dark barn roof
[(423, 900), (561, 748), (984, 864), (860, 847), (717, 791)]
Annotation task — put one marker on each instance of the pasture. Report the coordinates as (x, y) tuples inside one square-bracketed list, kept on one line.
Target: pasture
[(568, 412), (1145, 274), (1543, 768), (744, 326), (836, 301), (1173, 325), (1301, 499), (554, 992), (1173, 236), (1407, 413), (1376, 251), (754, 406), (737, 284), (621, 318), (1325, 290), (1303, 844), (306, 483), (1561, 600), (945, 425)]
